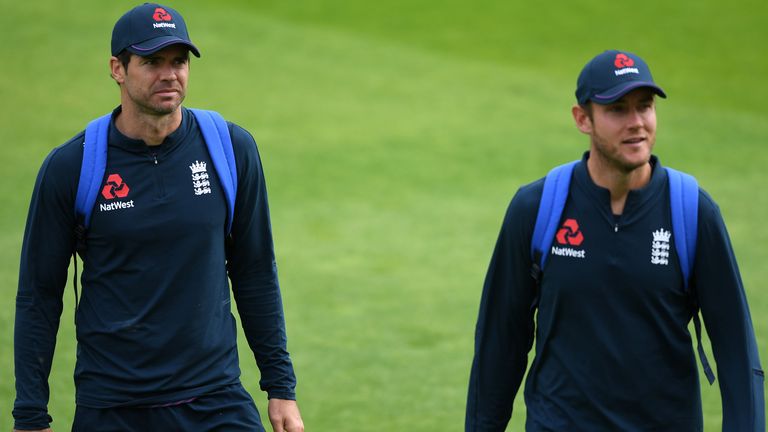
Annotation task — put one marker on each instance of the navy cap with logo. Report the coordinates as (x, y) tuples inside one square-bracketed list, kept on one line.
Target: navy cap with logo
[(149, 28), (611, 75)]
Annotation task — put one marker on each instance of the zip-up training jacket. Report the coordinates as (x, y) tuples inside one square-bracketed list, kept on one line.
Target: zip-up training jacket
[(154, 323), (613, 351)]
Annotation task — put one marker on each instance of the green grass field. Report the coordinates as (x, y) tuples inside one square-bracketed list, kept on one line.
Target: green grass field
[(393, 136)]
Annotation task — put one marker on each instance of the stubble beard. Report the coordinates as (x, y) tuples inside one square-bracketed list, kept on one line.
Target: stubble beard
[(145, 106), (162, 109), (615, 160)]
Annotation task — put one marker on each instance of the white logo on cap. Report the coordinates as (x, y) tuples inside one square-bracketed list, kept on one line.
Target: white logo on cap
[(624, 65), (620, 71), (161, 15)]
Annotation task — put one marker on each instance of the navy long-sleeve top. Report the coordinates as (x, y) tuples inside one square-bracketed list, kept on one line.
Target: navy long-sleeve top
[(154, 323), (613, 351)]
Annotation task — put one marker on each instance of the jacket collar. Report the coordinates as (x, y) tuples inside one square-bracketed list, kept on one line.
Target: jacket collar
[(636, 198), (117, 139)]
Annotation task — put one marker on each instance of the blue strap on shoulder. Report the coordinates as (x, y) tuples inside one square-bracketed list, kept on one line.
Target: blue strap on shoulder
[(92, 168), (551, 206), (216, 135), (684, 203)]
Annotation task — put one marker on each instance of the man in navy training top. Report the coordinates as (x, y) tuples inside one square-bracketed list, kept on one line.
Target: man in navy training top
[(156, 338), (611, 313)]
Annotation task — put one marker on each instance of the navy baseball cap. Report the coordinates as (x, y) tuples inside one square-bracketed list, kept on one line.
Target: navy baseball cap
[(149, 28), (611, 75)]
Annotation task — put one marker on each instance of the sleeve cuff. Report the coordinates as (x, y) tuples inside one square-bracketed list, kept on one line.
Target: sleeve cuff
[(281, 394), (36, 422)]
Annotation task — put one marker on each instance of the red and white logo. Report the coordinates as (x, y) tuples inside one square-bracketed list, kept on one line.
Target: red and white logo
[(624, 65), (622, 61), (161, 15), (115, 187), (570, 234)]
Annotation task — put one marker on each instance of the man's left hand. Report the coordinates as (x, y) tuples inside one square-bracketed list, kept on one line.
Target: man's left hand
[(284, 416)]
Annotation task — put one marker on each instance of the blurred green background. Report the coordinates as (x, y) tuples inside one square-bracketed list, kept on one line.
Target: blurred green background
[(393, 135)]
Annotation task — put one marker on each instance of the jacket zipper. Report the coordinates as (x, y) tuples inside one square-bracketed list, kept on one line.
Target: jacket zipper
[(158, 178)]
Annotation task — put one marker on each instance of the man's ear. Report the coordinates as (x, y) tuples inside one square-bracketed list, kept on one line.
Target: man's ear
[(116, 70), (582, 118)]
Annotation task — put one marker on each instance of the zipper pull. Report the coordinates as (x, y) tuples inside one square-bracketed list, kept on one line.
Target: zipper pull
[(154, 156), (616, 228)]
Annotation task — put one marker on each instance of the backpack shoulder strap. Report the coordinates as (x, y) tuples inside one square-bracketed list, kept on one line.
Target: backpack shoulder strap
[(553, 198), (219, 142), (92, 169), (684, 203)]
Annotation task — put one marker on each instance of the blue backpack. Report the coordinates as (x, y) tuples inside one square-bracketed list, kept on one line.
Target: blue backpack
[(684, 200), (217, 139)]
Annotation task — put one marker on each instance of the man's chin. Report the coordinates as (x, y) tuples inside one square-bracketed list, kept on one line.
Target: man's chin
[(167, 106), (164, 109), (629, 166)]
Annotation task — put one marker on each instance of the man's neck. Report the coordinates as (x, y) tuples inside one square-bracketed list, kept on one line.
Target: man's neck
[(152, 129), (617, 181)]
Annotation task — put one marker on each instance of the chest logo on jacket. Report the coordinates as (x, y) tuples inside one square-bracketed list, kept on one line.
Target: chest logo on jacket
[(569, 235), (200, 179), (660, 247), (113, 189)]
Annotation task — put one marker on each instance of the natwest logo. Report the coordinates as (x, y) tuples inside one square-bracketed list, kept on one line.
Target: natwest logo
[(115, 187), (624, 65), (622, 61), (161, 15), (570, 234)]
